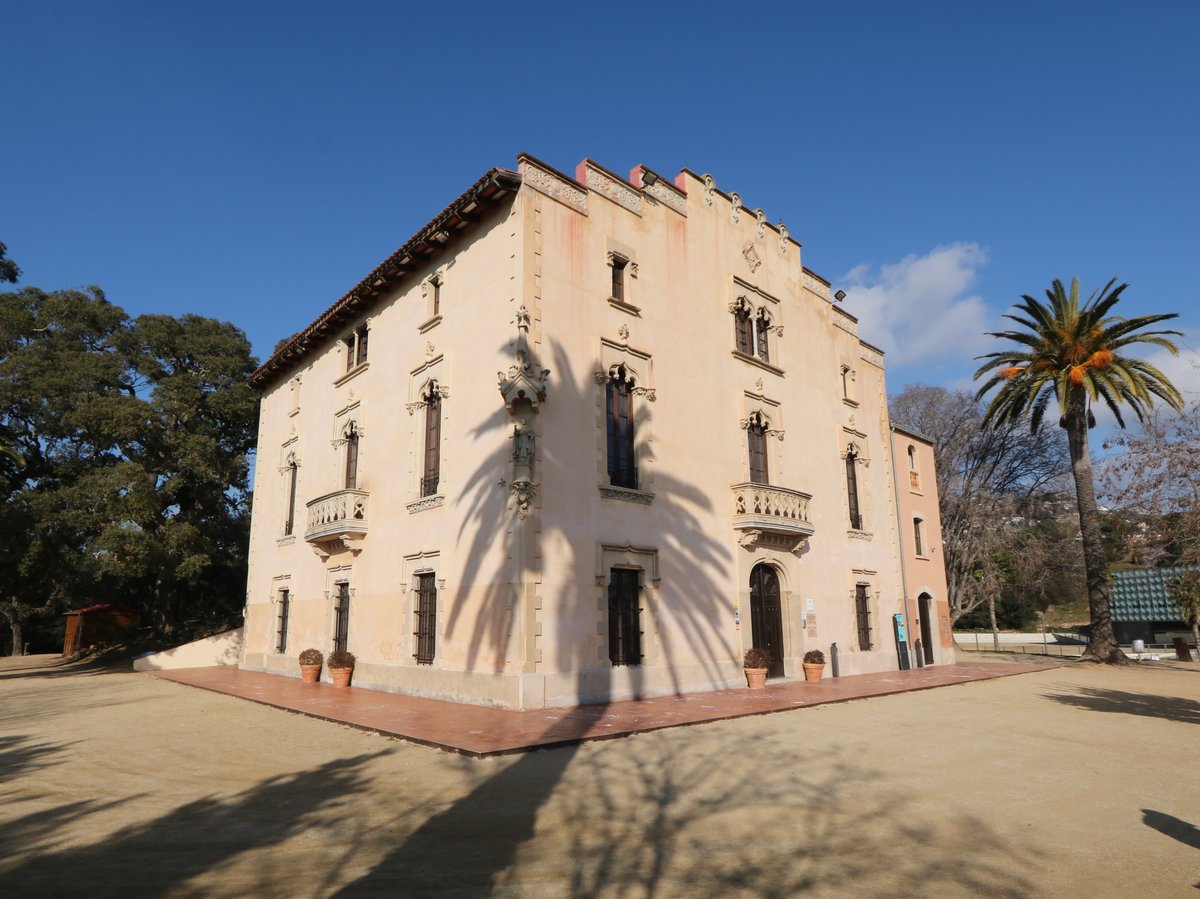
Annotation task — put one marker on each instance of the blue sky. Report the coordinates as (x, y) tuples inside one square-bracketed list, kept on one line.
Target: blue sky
[(251, 161)]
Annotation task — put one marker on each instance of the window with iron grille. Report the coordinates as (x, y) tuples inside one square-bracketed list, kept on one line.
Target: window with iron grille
[(757, 437), (862, 611), (743, 328), (432, 471), (352, 458), (856, 521), (289, 524), (341, 620), (764, 328), (622, 468), (285, 602), (426, 632), (624, 617)]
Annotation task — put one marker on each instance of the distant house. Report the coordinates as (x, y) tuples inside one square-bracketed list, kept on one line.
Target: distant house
[(1142, 608), (93, 625)]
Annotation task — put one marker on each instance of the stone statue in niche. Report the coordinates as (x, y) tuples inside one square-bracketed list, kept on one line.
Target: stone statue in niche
[(523, 444)]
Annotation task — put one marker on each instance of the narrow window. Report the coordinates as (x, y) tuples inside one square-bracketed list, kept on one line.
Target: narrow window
[(764, 328), (743, 330), (289, 524), (433, 442), (862, 610), (426, 632), (624, 622), (757, 436), (622, 471), (437, 296), (618, 278), (361, 355), (914, 479), (285, 601), (852, 490), (341, 622), (352, 458), (917, 541)]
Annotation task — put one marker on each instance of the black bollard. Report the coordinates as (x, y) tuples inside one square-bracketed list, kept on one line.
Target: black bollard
[(833, 660)]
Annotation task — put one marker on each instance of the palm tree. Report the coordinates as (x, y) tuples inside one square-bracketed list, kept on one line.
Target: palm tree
[(1072, 353)]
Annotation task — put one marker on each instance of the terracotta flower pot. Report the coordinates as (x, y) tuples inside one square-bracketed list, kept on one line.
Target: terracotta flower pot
[(341, 676), (310, 674), (813, 672), (756, 678)]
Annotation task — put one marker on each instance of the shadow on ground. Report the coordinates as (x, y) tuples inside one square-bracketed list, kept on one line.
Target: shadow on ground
[(1147, 705)]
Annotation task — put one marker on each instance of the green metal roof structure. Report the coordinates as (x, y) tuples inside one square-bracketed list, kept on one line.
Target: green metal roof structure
[(1144, 594)]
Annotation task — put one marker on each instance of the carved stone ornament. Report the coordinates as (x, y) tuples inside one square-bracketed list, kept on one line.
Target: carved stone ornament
[(783, 237), (735, 207), (623, 333), (666, 195), (430, 351), (553, 186), (633, 269), (710, 188), (647, 392), (523, 492), (614, 190), (760, 222), (524, 380), (751, 256)]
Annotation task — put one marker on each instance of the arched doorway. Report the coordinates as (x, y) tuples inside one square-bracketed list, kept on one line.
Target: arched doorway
[(766, 615), (925, 610)]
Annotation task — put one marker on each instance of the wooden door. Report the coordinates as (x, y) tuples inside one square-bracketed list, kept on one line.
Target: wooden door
[(766, 615), (925, 607)]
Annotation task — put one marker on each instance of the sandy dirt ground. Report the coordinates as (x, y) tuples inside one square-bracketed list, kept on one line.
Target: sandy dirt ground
[(1080, 781)]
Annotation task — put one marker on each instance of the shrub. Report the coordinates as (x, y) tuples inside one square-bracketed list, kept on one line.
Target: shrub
[(814, 657), (339, 658), (311, 657), (756, 658)]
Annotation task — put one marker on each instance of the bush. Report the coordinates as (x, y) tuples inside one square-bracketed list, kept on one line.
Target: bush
[(814, 657), (311, 657), (339, 658), (757, 658)]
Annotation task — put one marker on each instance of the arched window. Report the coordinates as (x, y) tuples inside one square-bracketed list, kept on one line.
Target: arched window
[(743, 330), (352, 457), (914, 478), (432, 471), (763, 328), (289, 524), (757, 439), (856, 521), (622, 468)]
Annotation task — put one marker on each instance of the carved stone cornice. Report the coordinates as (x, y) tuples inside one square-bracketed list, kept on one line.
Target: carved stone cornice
[(867, 354), (626, 495), (426, 502), (666, 194), (554, 186), (820, 288), (615, 190), (859, 535), (846, 324)]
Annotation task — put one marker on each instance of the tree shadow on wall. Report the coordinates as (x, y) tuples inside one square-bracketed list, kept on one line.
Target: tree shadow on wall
[(154, 858), (466, 848), (1146, 705)]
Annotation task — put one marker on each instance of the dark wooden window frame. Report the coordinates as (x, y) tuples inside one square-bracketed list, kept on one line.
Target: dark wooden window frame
[(624, 617), (341, 617), (356, 347), (621, 429), (285, 602), (762, 327), (862, 615), (756, 439), (856, 520), (918, 537), (426, 618), (289, 524), (619, 267), (743, 328), (352, 457), (431, 472)]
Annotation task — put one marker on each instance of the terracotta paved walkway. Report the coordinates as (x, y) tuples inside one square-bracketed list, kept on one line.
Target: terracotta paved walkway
[(480, 731)]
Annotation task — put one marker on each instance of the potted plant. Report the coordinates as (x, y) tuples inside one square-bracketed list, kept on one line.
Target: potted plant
[(310, 665), (341, 666), (814, 665), (756, 662)]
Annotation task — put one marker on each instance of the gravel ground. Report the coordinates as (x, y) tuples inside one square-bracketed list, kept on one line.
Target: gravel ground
[(1081, 781)]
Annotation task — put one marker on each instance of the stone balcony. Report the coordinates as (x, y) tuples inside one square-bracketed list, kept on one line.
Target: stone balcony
[(771, 516), (337, 518)]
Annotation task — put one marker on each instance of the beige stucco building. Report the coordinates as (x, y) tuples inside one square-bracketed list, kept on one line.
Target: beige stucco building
[(579, 439)]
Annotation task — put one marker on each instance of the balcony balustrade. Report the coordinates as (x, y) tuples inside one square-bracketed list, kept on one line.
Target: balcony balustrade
[(769, 515), (341, 515)]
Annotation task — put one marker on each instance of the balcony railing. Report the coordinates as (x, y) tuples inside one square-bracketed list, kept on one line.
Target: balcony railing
[(765, 509), (339, 514)]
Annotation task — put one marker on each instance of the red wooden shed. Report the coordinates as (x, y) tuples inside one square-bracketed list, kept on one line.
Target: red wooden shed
[(96, 624)]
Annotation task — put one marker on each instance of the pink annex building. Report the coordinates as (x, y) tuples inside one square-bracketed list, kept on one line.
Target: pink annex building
[(587, 438)]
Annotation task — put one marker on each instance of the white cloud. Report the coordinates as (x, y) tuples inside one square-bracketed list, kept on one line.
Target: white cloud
[(920, 308)]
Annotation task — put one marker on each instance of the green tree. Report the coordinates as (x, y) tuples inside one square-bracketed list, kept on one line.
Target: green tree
[(1072, 353), (1185, 594), (8, 269)]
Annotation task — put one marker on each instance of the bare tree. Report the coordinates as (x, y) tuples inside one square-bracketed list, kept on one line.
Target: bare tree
[(980, 473)]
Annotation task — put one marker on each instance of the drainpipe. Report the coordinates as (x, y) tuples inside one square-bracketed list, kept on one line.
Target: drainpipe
[(900, 541)]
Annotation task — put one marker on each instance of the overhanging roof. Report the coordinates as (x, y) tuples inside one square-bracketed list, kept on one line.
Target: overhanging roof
[(413, 254)]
